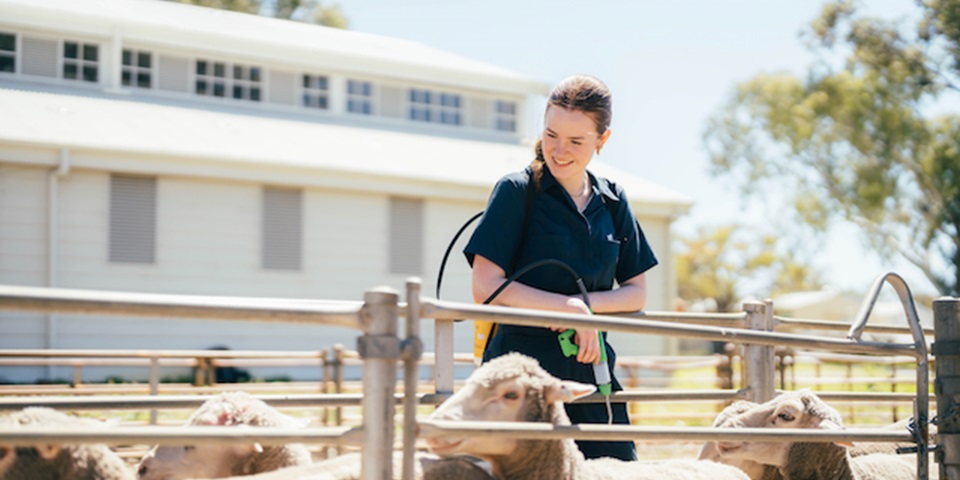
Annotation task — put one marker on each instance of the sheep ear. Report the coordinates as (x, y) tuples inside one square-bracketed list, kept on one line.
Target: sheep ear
[(568, 391), (48, 452), (831, 425)]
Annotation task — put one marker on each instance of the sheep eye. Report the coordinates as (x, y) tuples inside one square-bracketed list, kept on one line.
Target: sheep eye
[(786, 417), (511, 395)]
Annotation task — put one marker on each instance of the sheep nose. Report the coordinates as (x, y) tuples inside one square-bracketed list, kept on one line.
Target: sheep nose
[(142, 471)]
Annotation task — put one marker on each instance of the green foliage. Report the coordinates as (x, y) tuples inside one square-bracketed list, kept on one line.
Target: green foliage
[(850, 140), (720, 262), (309, 11)]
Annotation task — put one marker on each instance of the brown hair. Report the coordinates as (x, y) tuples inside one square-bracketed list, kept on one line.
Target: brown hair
[(582, 93)]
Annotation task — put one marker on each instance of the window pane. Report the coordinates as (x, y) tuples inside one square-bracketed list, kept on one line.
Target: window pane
[(219, 90), (90, 52), (201, 87), (8, 42), (255, 94), (70, 71), (306, 81), (238, 72), (322, 83), (143, 60), (70, 50), (125, 77), (255, 74), (7, 64), (90, 73), (322, 102), (201, 67), (219, 70), (127, 57), (143, 80), (237, 91)]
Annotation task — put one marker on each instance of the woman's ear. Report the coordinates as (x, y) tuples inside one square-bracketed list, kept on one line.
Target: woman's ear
[(602, 140)]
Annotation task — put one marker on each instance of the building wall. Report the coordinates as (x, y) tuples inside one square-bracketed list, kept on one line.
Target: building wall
[(208, 243)]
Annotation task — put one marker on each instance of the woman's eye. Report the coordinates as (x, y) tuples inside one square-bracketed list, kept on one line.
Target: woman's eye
[(511, 395), (786, 417), (575, 142)]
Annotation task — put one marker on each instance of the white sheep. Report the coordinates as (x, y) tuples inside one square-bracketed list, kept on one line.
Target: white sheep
[(67, 462), (514, 388), (801, 460), (217, 461), (347, 467), (709, 451)]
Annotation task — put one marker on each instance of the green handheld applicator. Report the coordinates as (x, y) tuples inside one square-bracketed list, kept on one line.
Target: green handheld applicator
[(601, 372)]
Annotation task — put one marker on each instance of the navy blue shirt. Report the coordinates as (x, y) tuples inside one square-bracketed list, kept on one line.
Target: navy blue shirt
[(589, 242)]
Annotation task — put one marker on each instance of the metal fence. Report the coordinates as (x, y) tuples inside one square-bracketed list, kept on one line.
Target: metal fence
[(381, 347)]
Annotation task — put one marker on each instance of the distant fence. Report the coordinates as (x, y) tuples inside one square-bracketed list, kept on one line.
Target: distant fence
[(381, 347)]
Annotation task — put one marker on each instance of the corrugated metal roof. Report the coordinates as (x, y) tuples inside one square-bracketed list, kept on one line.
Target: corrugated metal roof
[(203, 29), (130, 126)]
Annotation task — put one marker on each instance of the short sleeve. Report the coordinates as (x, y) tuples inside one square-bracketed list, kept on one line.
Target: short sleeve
[(497, 236), (636, 256)]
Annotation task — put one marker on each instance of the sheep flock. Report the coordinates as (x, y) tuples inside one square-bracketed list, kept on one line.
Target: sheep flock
[(511, 388)]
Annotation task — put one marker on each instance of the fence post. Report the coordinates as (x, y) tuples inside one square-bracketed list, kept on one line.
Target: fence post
[(443, 356), (946, 324), (154, 385), (379, 348), (412, 351), (758, 360)]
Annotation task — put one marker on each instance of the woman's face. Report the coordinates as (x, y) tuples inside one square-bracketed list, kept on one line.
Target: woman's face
[(569, 140)]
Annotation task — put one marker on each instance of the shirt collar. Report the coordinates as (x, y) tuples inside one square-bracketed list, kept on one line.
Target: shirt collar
[(547, 181)]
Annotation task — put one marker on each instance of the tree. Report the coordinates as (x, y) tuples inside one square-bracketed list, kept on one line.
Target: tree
[(309, 11), (853, 140), (729, 262)]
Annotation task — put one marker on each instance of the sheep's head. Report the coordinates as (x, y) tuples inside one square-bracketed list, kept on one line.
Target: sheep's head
[(510, 388), (173, 462), (800, 409)]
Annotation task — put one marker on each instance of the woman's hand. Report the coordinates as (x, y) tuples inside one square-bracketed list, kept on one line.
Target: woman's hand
[(586, 338)]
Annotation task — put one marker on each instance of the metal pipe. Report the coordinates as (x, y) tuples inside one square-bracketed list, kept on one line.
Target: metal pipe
[(439, 309), (192, 435), (38, 299), (412, 350), (584, 431), (946, 321), (380, 349)]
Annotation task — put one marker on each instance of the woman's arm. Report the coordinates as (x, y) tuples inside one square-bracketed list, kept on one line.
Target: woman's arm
[(487, 278)]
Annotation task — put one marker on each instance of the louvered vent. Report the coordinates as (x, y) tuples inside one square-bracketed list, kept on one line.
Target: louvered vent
[(282, 228), (283, 88), (173, 74), (391, 102), (406, 236), (480, 113), (133, 219), (39, 57)]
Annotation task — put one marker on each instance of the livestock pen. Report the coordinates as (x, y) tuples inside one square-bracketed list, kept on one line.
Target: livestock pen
[(381, 347)]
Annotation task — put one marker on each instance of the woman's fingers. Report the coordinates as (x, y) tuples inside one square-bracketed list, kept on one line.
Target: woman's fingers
[(589, 345)]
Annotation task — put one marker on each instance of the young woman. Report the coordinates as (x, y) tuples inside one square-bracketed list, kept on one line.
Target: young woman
[(556, 209)]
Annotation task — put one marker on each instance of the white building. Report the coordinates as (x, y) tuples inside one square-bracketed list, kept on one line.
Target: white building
[(157, 147)]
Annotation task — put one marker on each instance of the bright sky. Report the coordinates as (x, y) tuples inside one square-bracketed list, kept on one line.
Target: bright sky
[(670, 64)]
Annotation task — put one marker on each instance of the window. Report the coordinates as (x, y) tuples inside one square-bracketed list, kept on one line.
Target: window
[(8, 52), (137, 69), (427, 106), (406, 236), (282, 228), (221, 79), (505, 115), (359, 97), (133, 219), (81, 61), (315, 91)]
